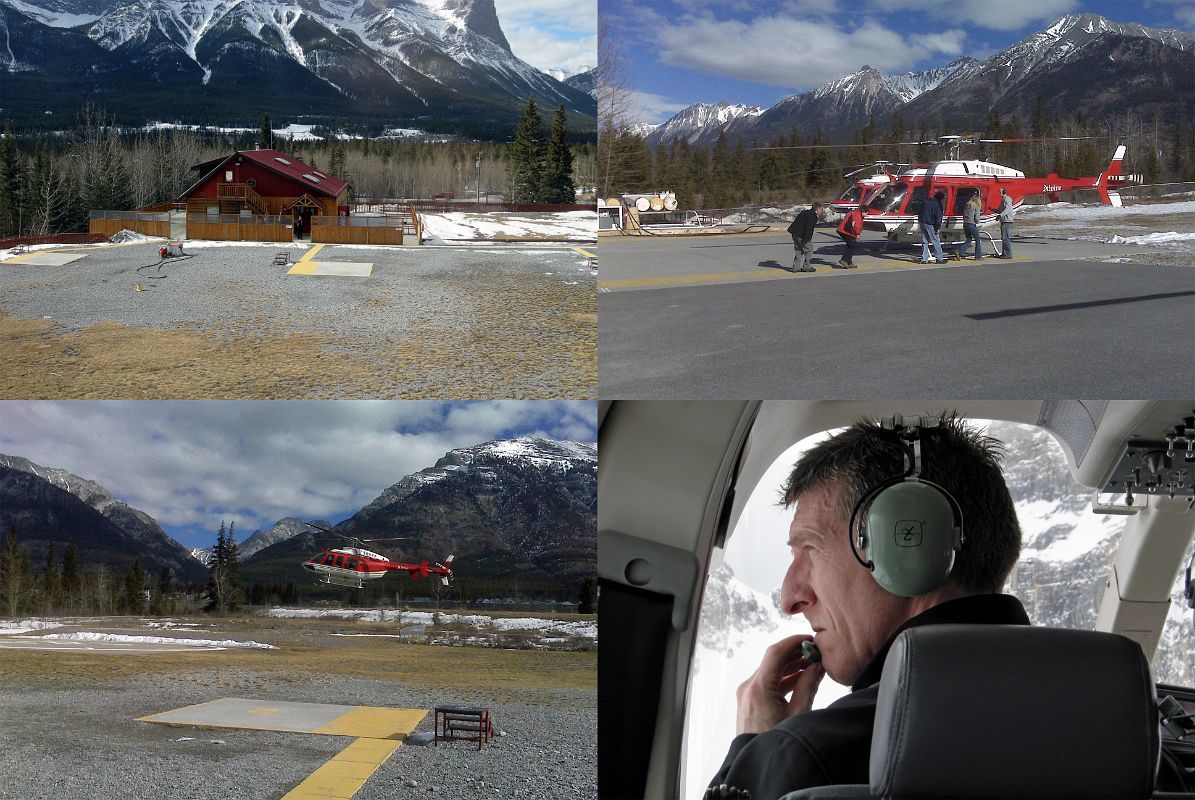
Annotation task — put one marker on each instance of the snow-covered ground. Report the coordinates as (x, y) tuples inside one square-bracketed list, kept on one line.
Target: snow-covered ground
[(220, 644), (9, 627), (1168, 225), (464, 226), (584, 628)]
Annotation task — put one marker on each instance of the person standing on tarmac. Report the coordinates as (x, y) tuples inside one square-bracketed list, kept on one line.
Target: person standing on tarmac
[(971, 227), (1006, 214), (849, 229), (801, 230), (930, 218)]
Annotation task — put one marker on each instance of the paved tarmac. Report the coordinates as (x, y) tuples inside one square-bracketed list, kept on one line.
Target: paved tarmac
[(721, 318)]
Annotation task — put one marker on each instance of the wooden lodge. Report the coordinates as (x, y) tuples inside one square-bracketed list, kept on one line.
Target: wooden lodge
[(265, 183)]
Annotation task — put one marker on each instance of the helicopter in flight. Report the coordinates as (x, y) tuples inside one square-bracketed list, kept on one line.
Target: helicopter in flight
[(350, 567)]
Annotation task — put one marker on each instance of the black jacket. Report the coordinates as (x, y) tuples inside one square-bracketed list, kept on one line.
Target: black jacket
[(802, 227), (832, 745)]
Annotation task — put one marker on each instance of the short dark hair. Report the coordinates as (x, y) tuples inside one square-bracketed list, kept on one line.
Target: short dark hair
[(957, 457), (818, 204)]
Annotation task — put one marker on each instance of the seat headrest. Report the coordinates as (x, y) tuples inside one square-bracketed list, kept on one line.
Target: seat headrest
[(1013, 711)]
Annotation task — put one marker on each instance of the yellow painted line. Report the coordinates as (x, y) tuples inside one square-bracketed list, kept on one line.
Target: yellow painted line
[(585, 253), (344, 774), (375, 723), (310, 252), (23, 258), (305, 266)]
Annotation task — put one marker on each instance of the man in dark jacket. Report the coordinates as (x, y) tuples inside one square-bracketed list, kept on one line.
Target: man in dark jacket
[(930, 218), (782, 745), (801, 230)]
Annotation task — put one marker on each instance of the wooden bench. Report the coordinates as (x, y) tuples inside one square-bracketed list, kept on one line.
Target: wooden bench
[(463, 723)]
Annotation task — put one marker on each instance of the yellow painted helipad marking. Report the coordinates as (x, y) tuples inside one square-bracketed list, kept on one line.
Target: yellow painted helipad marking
[(304, 266), (585, 253), (375, 723), (379, 733)]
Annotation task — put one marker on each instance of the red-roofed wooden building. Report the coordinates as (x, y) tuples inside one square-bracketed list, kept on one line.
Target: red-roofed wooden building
[(265, 183)]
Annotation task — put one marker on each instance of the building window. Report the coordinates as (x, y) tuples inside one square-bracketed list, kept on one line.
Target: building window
[(251, 183)]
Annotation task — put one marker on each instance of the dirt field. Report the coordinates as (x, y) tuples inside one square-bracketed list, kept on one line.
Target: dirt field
[(435, 324)]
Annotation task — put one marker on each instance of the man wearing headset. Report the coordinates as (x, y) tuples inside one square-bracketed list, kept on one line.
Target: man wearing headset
[(950, 538)]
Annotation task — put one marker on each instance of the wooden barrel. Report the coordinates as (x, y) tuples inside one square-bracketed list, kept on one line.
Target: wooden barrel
[(656, 204), (613, 201), (670, 203), (642, 203)]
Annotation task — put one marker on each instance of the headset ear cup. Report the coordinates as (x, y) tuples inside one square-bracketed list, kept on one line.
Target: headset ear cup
[(914, 530)]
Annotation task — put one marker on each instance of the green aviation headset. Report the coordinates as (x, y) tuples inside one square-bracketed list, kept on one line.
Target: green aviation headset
[(908, 529)]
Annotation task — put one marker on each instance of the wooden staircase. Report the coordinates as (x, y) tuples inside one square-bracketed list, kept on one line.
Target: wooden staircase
[(232, 197)]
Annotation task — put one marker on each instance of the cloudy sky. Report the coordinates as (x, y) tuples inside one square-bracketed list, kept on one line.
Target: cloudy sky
[(551, 34), (758, 52), (192, 464)]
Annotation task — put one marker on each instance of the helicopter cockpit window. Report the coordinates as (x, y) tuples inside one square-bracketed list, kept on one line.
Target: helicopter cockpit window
[(889, 199), (326, 559), (339, 560), (962, 196), (852, 194), (351, 564), (1063, 566)]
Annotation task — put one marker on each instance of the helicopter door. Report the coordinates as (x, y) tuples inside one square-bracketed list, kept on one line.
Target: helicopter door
[(351, 564), (963, 195)]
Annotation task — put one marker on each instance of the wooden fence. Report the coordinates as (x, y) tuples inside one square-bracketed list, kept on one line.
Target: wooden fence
[(235, 228), (109, 223), (54, 238), (358, 230)]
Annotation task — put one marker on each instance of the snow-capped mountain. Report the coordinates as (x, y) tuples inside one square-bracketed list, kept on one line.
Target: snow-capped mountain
[(909, 85), (584, 81), (702, 122), (285, 528), (1080, 62), (49, 504), (407, 59), (203, 555), (521, 509)]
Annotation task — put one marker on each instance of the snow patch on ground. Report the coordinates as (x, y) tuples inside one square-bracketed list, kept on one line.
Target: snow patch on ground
[(1073, 211), (1154, 238), (9, 627), (583, 628), (470, 226), (88, 636)]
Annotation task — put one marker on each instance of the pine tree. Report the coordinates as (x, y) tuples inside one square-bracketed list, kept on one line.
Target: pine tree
[(134, 589), (558, 170), (15, 580), (265, 136), (526, 165), (11, 183), (70, 578), (588, 596)]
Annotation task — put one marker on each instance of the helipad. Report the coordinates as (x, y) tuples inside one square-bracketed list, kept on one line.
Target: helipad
[(47, 259), (334, 720), (380, 732)]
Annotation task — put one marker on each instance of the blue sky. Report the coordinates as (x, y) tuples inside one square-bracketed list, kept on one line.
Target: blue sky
[(190, 465), (757, 53), (551, 34)]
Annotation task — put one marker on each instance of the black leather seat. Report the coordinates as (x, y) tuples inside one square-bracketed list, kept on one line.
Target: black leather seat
[(982, 711)]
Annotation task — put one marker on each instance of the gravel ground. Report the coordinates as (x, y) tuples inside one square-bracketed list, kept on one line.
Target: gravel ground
[(83, 742), (493, 321)]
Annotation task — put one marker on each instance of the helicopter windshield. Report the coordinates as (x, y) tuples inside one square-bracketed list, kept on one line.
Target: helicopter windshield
[(851, 195), (889, 199)]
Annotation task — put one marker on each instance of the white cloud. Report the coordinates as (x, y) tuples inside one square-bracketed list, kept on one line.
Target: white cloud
[(1183, 10), (652, 108), (551, 34), (795, 53), (1001, 15), (196, 463)]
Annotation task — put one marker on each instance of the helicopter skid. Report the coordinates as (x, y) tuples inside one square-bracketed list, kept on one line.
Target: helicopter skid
[(341, 580)]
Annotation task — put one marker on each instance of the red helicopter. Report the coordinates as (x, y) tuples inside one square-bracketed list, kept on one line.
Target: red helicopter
[(352, 566), (891, 201)]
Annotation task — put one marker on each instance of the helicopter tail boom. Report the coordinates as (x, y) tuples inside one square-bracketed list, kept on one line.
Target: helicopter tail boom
[(1111, 175)]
